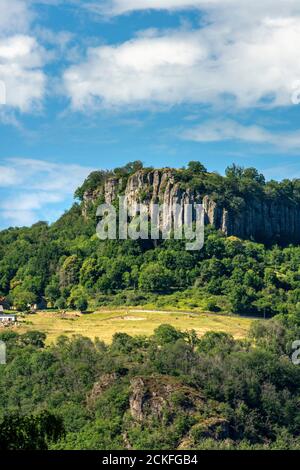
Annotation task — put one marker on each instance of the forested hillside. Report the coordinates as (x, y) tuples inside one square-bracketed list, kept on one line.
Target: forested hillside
[(170, 391), (66, 264)]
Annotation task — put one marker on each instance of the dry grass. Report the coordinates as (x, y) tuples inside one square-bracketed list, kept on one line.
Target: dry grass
[(104, 324)]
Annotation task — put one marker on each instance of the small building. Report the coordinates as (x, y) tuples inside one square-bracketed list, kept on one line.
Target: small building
[(8, 318)]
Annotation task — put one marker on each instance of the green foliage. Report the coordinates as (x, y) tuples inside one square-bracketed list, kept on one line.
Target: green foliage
[(97, 178), (210, 392), (67, 264), (196, 167), (52, 291), (221, 393), (166, 334), (228, 274), (61, 303), (212, 306), (69, 272), (154, 277), (81, 304), (93, 181), (22, 299), (32, 432), (216, 342), (34, 338)]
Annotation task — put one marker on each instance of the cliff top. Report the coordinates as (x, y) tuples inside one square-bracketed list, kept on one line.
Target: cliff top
[(238, 186)]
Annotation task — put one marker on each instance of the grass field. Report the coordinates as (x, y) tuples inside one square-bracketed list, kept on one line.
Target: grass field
[(105, 324)]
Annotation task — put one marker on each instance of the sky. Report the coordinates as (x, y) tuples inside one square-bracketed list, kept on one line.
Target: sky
[(94, 84)]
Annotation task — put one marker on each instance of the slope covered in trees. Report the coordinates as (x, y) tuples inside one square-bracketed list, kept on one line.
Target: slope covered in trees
[(170, 391), (67, 264)]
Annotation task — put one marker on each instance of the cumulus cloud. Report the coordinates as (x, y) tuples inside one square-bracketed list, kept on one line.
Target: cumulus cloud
[(233, 7), (15, 15), (35, 189), (252, 64), (145, 69), (21, 58), (229, 130)]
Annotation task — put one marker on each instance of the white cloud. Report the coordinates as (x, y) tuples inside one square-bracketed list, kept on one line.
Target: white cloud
[(8, 176), (255, 7), (21, 57), (252, 62), (34, 188), (228, 130), (23, 210), (141, 70), (15, 15)]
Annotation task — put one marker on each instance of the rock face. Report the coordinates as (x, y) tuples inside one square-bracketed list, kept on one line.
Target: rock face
[(261, 220), (150, 396), (104, 383), (145, 398)]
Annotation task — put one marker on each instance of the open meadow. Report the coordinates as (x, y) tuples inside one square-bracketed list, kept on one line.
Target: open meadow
[(104, 324)]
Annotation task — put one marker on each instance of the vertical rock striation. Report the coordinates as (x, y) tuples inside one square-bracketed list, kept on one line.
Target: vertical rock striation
[(260, 220)]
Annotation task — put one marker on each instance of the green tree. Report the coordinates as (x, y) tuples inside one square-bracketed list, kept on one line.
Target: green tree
[(165, 334), (61, 303), (155, 278), (52, 291), (34, 338), (22, 299), (78, 298), (196, 167), (242, 299), (89, 273), (32, 432), (69, 272), (81, 304)]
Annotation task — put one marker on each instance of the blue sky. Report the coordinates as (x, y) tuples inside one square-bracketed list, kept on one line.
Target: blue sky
[(97, 83)]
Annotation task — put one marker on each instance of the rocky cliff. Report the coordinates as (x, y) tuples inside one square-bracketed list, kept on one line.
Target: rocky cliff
[(159, 398), (261, 219)]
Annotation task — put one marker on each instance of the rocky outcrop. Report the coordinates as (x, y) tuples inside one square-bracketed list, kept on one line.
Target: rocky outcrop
[(112, 188), (216, 428), (161, 398), (150, 396), (103, 384), (260, 220), (89, 199)]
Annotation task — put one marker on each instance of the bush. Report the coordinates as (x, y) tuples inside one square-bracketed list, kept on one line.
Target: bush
[(81, 304), (61, 303), (212, 306), (165, 334)]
